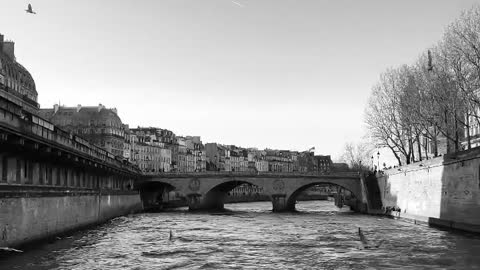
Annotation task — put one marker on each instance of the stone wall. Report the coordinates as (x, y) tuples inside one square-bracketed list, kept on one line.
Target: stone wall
[(444, 191), (26, 219)]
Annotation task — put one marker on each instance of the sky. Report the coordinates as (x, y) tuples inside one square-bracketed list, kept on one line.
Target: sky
[(282, 74)]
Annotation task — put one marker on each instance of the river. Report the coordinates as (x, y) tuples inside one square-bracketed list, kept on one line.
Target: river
[(250, 236)]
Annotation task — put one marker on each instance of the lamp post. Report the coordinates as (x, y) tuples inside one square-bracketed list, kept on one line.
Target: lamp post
[(378, 160)]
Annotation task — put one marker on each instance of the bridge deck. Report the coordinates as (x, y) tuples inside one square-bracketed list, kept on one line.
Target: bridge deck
[(339, 174)]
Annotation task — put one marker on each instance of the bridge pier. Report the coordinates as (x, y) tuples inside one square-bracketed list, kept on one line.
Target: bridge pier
[(211, 201), (214, 200), (279, 202), (149, 199), (357, 205), (194, 202)]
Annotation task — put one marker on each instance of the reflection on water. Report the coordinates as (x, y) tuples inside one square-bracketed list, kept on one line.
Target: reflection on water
[(250, 236)]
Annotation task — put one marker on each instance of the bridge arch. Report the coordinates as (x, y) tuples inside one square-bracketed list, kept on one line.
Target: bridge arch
[(148, 185), (215, 197), (292, 198), (155, 193)]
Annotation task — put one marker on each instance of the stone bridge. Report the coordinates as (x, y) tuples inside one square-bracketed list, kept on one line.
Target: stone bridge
[(207, 190)]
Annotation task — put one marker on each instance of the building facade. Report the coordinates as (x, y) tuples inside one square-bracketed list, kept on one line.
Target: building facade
[(151, 149), (97, 124), (16, 84)]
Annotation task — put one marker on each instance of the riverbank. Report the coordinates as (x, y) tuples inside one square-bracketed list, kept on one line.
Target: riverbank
[(25, 220), (441, 192)]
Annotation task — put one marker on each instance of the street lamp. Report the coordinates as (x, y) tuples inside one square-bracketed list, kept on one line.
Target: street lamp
[(378, 160), (372, 161)]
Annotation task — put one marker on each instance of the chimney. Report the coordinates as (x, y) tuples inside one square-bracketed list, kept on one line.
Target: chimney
[(114, 110), (79, 107), (9, 49), (100, 107), (55, 108), (1, 43)]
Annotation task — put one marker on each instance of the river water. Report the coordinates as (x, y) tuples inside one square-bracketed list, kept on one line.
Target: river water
[(250, 236)]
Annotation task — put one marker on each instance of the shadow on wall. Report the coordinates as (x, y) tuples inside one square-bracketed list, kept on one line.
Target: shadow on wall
[(373, 193), (460, 192), (443, 191), (384, 198)]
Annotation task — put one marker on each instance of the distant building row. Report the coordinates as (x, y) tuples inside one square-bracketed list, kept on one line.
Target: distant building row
[(156, 150), (232, 158), (153, 150)]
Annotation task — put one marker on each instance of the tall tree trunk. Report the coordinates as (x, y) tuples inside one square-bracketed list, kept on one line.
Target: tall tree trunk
[(447, 130), (419, 148), (411, 151), (425, 147), (469, 143), (457, 135), (396, 155)]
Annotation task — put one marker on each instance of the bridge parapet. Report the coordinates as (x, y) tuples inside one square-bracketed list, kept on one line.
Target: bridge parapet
[(344, 174)]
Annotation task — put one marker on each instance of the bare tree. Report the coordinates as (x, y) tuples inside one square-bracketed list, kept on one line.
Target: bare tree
[(357, 155), (462, 46), (386, 119), (438, 96)]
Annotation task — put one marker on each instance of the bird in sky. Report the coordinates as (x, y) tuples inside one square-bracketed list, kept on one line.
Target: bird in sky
[(29, 9)]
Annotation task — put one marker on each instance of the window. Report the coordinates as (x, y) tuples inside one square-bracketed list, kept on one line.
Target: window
[(58, 181), (4, 169), (29, 172), (65, 174), (78, 179), (41, 174), (19, 171), (25, 170), (49, 172)]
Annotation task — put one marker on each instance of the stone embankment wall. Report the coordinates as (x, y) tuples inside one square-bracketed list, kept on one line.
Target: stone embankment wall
[(443, 191), (27, 219)]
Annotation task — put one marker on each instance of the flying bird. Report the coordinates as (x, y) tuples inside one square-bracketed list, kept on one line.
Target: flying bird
[(29, 9)]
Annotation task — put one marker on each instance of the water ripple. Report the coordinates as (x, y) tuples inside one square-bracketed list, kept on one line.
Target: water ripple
[(250, 236)]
